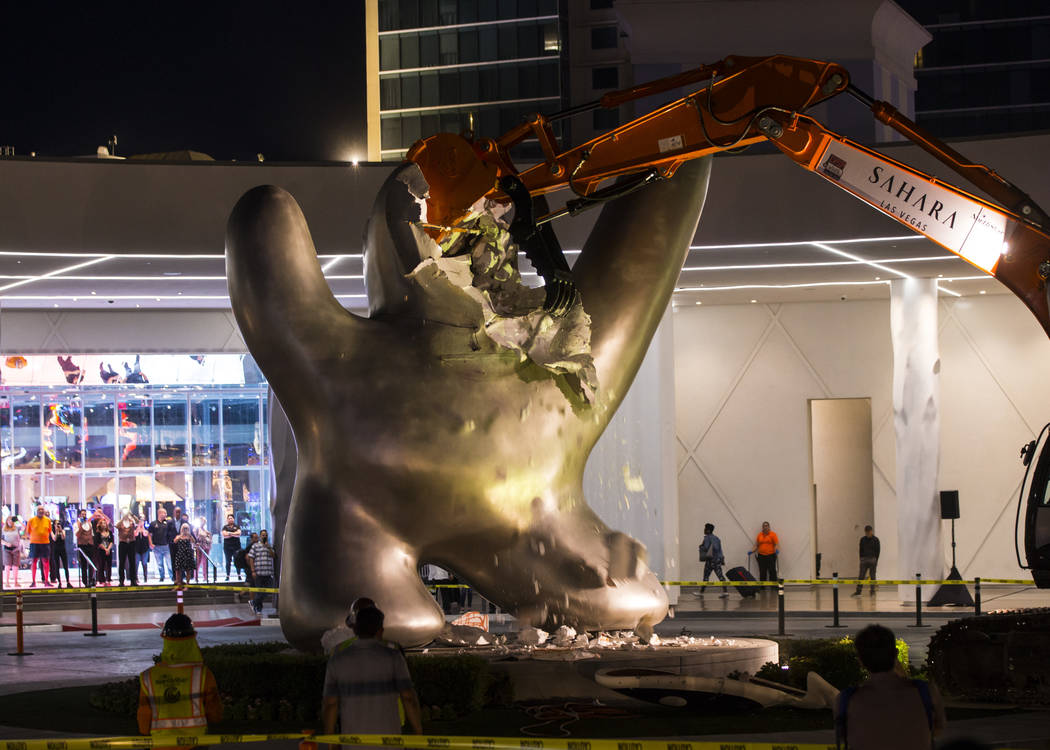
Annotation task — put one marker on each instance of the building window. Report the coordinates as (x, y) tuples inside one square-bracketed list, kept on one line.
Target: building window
[(428, 50), (389, 53), (391, 132), (410, 51), (603, 37), (449, 48), (551, 39), (605, 78)]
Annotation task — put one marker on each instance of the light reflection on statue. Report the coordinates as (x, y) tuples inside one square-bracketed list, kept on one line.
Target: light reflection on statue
[(420, 439)]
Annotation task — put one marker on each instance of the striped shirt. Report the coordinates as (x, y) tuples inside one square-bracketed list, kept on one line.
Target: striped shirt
[(261, 554)]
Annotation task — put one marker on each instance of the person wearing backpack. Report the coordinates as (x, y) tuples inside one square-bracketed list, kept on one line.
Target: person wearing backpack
[(888, 710)]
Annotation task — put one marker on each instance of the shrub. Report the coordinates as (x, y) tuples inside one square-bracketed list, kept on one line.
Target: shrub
[(117, 697), (270, 681), (833, 659)]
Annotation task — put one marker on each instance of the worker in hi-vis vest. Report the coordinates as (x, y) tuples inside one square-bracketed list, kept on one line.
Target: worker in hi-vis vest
[(178, 696)]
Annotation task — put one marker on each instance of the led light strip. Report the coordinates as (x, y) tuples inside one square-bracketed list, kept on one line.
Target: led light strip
[(807, 242), (819, 263), (157, 278), (844, 254), (777, 286), (155, 297), (56, 272)]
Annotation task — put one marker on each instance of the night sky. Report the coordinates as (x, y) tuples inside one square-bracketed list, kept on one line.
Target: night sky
[(230, 78)]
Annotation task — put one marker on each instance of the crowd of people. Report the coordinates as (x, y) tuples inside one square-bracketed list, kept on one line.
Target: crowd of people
[(180, 552)]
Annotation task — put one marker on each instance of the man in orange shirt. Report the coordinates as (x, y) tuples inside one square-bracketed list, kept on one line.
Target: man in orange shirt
[(767, 545), (38, 530)]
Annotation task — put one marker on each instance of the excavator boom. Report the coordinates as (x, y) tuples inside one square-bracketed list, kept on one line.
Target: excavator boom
[(746, 100), (999, 242)]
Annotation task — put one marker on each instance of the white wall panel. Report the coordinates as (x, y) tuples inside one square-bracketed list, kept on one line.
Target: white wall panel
[(744, 372), (757, 452)]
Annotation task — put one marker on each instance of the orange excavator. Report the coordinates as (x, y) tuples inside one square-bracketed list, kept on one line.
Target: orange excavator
[(734, 103)]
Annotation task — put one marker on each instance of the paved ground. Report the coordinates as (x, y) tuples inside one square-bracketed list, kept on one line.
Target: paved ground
[(70, 658)]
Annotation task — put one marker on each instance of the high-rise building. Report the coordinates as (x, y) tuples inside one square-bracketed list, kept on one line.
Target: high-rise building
[(980, 74), (443, 63)]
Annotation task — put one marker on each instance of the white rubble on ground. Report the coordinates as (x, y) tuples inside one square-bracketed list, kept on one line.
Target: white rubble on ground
[(532, 636), (568, 645), (564, 636)]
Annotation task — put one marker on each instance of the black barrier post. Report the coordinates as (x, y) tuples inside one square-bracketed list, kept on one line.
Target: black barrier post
[(918, 602), (19, 625), (780, 606), (835, 603), (977, 596), (94, 617)]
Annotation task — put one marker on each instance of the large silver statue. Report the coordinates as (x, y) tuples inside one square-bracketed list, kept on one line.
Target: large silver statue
[(421, 439)]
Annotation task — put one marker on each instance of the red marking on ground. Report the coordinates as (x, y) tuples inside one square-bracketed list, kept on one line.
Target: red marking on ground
[(227, 622)]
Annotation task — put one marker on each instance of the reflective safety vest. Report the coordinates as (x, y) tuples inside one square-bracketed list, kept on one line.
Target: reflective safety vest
[(176, 698)]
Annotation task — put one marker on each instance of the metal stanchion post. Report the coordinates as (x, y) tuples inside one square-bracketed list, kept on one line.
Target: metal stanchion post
[(835, 603), (977, 596), (918, 602), (780, 606), (19, 624), (94, 616)]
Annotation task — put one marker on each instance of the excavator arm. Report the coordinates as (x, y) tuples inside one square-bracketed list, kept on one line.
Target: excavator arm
[(1000, 242), (740, 101)]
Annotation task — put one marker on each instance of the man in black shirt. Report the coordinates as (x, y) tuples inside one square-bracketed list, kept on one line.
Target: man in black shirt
[(231, 542), (162, 533), (869, 559)]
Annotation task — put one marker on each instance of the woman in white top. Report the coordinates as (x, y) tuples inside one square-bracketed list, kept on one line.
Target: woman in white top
[(12, 544)]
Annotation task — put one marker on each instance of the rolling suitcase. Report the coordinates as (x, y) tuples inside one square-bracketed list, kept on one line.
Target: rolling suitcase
[(742, 574)]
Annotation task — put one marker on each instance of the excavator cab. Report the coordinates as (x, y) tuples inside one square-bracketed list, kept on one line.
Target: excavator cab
[(1035, 498)]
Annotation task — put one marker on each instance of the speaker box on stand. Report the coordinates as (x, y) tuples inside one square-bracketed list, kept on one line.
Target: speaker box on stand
[(951, 594)]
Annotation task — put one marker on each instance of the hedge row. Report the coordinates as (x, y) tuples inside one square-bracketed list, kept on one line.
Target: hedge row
[(834, 659), (270, 681)]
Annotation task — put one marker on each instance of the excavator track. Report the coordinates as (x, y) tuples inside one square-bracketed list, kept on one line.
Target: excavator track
[(999, 657)]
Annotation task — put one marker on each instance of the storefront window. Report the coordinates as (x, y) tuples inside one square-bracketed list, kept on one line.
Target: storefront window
[(63, 434), (169, 432), (135, 432), (100, 442), (241, 423), (62, 491), (204, 424), (251, 492), (197, 448), (170, 491), (25, 422)]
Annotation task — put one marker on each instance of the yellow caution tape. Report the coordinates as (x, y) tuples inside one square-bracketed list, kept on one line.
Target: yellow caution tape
[(696, 584), (849, 581), (551, 743), (141, 589), (429, 742)]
